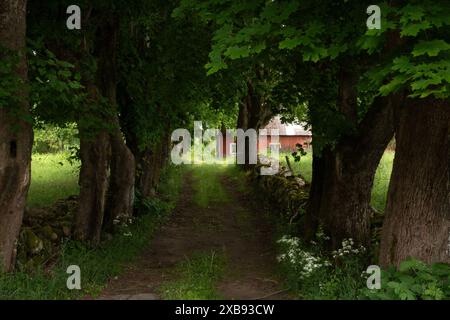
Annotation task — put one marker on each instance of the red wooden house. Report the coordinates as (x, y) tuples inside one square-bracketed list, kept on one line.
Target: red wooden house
[(290, 134)]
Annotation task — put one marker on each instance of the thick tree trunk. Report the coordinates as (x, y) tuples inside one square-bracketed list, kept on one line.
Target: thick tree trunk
[(417, 217), (151, 164), (254, 113), (340, 194), (343, 178), (146, 171), (16, 137), (94, 178), (149, 161), (121, 187)]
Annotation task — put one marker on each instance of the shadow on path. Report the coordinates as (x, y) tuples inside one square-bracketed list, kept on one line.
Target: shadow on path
[(234, 227)]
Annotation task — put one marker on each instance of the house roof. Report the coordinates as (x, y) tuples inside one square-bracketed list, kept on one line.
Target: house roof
[(288, 129)]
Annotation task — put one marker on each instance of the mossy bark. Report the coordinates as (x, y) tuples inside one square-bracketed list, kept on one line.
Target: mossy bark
[(16, 137)]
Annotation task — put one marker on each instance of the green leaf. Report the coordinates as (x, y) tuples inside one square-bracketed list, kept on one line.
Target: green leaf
[(413, 29), (411, 265), (291, 43), (396, 83), (314, 54), (431, 48), (236, 52)]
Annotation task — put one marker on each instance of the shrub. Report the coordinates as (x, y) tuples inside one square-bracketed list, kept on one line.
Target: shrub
[(414, 280), (313, 274), (53, 139)]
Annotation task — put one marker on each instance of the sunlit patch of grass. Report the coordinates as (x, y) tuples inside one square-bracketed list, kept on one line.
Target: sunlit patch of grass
[(53, 177), (303, 167), (381, 182), (207, 185), (196, 279)]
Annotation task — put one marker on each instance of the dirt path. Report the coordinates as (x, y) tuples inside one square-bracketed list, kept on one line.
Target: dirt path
[(235, 228)]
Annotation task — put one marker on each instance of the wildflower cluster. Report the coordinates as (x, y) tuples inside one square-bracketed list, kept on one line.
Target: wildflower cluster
[(347, 249), (123, 221), (122, 225), (304, 262)]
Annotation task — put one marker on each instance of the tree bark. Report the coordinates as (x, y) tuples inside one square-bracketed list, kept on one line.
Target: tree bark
[(343, 177), (16, 137), (95, 155), (121, 188), (120, 199), (417, 217), (254, 113), (95, 145), (146, 171), (151, 164)]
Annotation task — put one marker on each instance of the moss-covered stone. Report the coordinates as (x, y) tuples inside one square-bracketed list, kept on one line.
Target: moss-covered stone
[(33, 243), (42, 232)]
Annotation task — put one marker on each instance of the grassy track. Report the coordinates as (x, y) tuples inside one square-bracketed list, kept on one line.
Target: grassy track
[(207, 184), (197, 274), (223, 244)]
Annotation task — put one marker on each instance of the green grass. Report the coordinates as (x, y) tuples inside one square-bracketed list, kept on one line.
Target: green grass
[(97, 265), (304, 167), (381, 182), (207, 185), (52, 178), (196, 279)]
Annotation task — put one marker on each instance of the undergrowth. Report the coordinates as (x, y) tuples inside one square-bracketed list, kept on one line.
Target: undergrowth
[(97, 264)]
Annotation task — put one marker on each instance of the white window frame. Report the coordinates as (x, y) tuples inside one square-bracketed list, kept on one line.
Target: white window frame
[(233, 148)]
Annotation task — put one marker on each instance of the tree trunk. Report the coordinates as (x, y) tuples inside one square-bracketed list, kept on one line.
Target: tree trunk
[(417, 217), (343, 178), (341, 194), (151, 163), (145, 176), (94, 177), (120, 198), (253, 114), (121, 187), (16, 137), (95, 143)]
